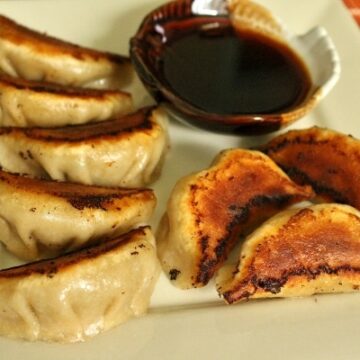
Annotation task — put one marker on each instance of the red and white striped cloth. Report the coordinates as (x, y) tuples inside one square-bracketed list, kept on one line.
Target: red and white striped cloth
[(354, 7)]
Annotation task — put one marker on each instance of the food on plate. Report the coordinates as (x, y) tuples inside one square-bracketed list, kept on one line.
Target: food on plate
[(28, 103), (325, 159), (76, 296), (298, 252), (127, 151), (32, 55), (208, 212), (40, 218)]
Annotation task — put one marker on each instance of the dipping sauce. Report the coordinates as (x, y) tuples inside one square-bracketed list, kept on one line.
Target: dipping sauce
[(212, 73), (219, 70)]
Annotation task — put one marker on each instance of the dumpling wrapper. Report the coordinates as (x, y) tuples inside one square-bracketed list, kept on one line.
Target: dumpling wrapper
[(208, 212), (41, 218), (298, 252), (77, 296), (26, 103), (126, 152), (327, 160), (31, 55)]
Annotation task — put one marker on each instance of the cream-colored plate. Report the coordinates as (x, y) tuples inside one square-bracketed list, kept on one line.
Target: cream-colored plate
[(195, 324)]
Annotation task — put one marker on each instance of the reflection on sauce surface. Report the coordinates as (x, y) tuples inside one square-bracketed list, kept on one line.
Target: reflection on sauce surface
[(216, 69)]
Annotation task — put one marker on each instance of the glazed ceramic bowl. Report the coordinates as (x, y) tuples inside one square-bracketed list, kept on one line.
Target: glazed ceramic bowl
[(315, 49)]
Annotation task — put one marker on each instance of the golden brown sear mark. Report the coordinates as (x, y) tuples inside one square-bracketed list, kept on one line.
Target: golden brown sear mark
[(79, 196), (45, 44), (56, 89), (226, 207), (325, 159), (52, 266), (299, 252), (208, 212), (121, 126)]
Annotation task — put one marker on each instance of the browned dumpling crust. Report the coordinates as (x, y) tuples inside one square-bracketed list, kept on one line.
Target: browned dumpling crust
[(125, 152), (31, 55), (325, 159), (77, 296), (26, 103), (40, 218), (208, 212), (298, 252)]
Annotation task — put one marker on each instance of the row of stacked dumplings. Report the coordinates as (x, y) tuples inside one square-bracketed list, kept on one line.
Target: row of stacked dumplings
[(55, 126), (75, 156)]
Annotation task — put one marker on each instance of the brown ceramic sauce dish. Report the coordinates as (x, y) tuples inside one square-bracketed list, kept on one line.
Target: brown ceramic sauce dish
[(231, 73)]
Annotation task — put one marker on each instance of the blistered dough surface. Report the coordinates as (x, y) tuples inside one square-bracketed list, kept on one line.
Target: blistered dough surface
[(208, 212), (126, 152), (77, 296), (41, 218), (299, 252)]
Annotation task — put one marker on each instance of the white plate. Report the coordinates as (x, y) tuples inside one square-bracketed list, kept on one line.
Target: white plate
[(195, 324)]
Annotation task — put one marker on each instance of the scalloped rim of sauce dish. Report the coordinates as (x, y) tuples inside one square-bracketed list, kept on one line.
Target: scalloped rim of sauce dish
[(149, 43)]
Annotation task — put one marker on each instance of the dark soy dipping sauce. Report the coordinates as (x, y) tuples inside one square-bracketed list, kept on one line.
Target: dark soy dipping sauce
[(221, 71)]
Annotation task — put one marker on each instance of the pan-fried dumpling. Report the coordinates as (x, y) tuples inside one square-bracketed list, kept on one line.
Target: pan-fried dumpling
[(27, 103), (76, 296), (298, 252), (31, 55), (207, 212), (325, 159), (126, 152), (41, 218)]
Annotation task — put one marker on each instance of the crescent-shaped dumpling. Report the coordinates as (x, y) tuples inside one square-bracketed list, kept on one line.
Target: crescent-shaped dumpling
[(41, 218), (298, 252), (31, 55), (325, 159), (79, 295), (208, 211), (126, 152), (26, 103)]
